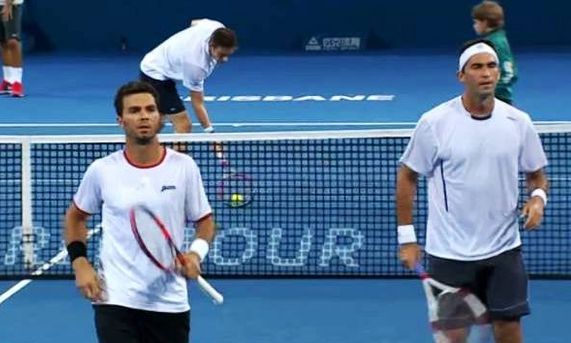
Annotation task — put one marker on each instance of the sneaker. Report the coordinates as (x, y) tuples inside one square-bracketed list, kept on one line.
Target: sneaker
[(5, 87), (17, 90)]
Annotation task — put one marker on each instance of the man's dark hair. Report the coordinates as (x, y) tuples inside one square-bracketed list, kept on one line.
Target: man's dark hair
[(224, 37), (130, 88)]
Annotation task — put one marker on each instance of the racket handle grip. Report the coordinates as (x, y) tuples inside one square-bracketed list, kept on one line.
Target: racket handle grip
[(213, 293)]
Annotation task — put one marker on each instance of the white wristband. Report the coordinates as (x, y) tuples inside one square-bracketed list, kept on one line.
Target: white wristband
[(406, 234), (538, 192), (209, 129), (200, 247)]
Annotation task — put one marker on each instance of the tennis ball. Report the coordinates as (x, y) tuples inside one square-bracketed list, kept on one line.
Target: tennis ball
[(237, 198)]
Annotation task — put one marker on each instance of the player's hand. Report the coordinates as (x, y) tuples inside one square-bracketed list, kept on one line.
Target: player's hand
[(410, 254), (87, 280), (533, 213), (6, 13), (191, 267)]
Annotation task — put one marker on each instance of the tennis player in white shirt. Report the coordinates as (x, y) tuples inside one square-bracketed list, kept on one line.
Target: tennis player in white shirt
[(471, 150), (130, 302), (189, 56)]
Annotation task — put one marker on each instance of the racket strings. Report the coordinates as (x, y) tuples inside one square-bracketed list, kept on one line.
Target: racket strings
[(236, 190), (460, 317), (150, 237)]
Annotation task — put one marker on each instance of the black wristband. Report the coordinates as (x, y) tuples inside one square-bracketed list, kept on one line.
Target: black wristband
[(76, 249)]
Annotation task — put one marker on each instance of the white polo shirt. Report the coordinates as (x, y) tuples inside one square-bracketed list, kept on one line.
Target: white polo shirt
[(184, 56), (472, 168), (173, 190)]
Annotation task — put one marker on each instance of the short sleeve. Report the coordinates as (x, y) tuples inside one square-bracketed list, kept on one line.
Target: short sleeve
[(421, 153), (88, 195), (197, 205), (193, 77), (532, 156)]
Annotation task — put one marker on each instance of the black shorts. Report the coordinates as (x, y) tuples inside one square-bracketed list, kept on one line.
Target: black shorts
[(12, 29), (169, 100), (500, 281), (118, 324)]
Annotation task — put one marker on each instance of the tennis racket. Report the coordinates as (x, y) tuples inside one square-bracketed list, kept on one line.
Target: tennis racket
[(456, 315), (158, 245), (235, 189)]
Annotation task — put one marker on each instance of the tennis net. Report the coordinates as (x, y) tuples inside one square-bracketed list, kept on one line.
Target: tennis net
[(323, 203)]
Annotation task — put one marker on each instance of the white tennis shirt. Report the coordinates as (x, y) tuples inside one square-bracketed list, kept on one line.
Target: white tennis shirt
[(184, 56), (173, 189), (472, 169)]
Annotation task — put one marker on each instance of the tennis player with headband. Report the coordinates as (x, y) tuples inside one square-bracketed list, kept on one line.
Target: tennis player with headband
[(471, 150), (128, 305)]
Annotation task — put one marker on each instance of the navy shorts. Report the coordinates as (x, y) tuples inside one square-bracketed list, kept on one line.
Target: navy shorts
[(12, 29), (500, 281), (118, 324), (169, 100)]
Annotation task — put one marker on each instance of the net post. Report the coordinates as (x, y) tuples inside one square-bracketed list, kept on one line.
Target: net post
[(27, 221)]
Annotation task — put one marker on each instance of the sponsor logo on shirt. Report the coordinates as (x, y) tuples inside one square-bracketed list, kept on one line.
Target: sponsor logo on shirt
[(167, 187)]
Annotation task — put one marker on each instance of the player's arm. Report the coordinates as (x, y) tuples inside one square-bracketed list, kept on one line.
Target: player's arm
[(407, 180), (537, 186), (198, 212), (205, 231), (532, 160), (197, 100), (75, 226), (419, 158), (193, 79)]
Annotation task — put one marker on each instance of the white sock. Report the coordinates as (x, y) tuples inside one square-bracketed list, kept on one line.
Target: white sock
[(16, 74), (7, 74)]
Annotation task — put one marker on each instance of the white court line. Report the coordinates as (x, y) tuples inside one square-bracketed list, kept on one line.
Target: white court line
[(46, 266), (272, 124), (13, 290), (20, 285)]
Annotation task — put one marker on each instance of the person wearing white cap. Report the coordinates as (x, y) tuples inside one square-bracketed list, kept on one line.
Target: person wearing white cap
[(471, 150)]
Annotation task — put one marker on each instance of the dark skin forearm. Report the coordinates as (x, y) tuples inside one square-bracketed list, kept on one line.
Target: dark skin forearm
[(206, 229), (197, 100), (86, 279), (536, 179), (75, 226), (406, 191)]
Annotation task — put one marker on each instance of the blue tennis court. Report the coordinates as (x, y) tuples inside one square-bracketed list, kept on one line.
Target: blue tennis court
[(279, 311), (72, 95)]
